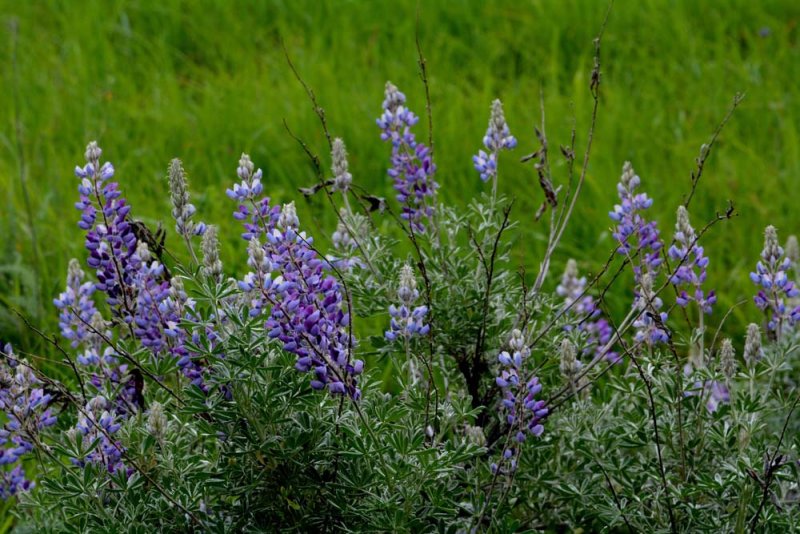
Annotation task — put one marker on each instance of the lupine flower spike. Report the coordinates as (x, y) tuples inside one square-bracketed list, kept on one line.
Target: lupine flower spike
[(407, 319), (212, 266), (182, 209), (639, 240), (692, 272), (307, 312), (752, 345), (498, 137), (775, 286), (412, 166), (522, 409)]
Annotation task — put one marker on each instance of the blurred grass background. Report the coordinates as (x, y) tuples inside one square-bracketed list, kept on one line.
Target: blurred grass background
[(204, 81)]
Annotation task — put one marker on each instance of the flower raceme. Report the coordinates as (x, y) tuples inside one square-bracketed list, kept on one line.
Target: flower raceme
[(498, 137), (523, 411), (691, 272), (412, 166), (306, 306), (639, 240), (771, 275), (407, 320), (597, 330)]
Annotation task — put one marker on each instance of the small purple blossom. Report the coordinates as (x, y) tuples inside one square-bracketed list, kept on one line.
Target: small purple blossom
[(519, 400), (771, 275), (692, 273), (412, 166), (498, 137), (76, 305), (523, 411)]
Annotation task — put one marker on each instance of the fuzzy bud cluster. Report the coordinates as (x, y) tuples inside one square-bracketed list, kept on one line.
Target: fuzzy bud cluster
[(182, 209)]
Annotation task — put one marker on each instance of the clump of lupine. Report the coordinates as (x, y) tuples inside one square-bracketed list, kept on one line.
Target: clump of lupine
[(198, 395)]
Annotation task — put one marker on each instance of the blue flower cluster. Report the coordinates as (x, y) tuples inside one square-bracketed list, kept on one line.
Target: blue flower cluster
[(640, 241), (498, 137), (98, 421), (307, 310), (412, 166), (776, 287), (522, 409), (597, 330), (407, 320), (692, 273), (25, 404), (136, 285)]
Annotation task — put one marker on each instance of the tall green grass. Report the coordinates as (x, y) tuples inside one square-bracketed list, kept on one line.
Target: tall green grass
[(204, 81)]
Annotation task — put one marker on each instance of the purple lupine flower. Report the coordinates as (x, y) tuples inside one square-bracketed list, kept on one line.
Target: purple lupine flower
[(519, 404), (306, 305), (27, 412), (498, 137), (182, 209), (412, 166), (597, 329), (76, 305), (110, 238), (639, 240), (771, 275), (407, 320), (692, 273), (98, 414)]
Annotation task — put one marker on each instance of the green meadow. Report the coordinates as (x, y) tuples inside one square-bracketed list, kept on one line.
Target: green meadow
[(205, 81)]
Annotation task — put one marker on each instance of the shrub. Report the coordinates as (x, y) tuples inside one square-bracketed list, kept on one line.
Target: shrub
[(405, 378)]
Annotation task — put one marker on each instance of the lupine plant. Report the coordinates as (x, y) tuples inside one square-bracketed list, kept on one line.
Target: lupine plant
[(403, 374)]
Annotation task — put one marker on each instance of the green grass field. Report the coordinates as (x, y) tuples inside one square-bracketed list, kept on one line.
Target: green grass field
[(204, 81)]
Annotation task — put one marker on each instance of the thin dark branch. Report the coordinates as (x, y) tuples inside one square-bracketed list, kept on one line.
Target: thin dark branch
[(615, 496), (773, 466), (423, 74), (705, 150)]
